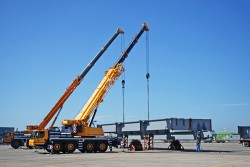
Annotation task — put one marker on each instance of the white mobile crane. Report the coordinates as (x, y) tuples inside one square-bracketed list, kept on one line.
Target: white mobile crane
[(85, 138)]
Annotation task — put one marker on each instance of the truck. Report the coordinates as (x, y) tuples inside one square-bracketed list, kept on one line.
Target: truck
[(222, 137), (16, 139), (5, 134), (22, 138), (81, 135), (244, 132)]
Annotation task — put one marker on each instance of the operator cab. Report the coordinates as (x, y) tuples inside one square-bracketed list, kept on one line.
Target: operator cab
[(7, 134), (41, 133), (37, 134)]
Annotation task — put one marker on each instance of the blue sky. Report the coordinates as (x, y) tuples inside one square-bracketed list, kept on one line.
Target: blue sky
[(199, 59)]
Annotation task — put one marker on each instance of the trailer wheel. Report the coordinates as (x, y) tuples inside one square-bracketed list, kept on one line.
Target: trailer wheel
[(89, 146), (246, 144), (15, 143), (135, 145), (102, 146), (70, 147), (57, 147), (175, 145)]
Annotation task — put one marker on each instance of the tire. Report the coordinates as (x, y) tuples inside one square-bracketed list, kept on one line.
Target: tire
[(57, 147), (102, 146), (171, 147), (89, 146), (70, 147), (138, 147), (15, 143), (246, 144)]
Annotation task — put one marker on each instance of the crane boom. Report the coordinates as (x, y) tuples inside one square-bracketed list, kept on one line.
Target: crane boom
[(104, 86), (132, 44), (72, 86)]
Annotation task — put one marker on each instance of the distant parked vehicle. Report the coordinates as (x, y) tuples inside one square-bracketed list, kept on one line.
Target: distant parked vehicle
[(208, 140), (221, 137)]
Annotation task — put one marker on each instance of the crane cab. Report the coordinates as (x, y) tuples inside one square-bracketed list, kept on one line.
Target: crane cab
[(38, 138), (7, 137)]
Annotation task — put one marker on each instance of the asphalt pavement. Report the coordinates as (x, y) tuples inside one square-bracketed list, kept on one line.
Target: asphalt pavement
[(211, 155)]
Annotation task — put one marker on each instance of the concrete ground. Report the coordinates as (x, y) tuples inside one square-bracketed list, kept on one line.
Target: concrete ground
[(212, 155)]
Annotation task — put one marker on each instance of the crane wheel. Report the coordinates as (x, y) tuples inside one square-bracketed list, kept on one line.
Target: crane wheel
[(89, 146), (70, 147), (135, 145), (15, 143), (102, 146), (57, 147), (175, 145)]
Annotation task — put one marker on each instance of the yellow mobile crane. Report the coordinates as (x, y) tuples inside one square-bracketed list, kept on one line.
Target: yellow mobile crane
[(84, 137), (18, 139)]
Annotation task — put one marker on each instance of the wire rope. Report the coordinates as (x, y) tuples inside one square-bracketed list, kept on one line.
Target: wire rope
[(147, 69)]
